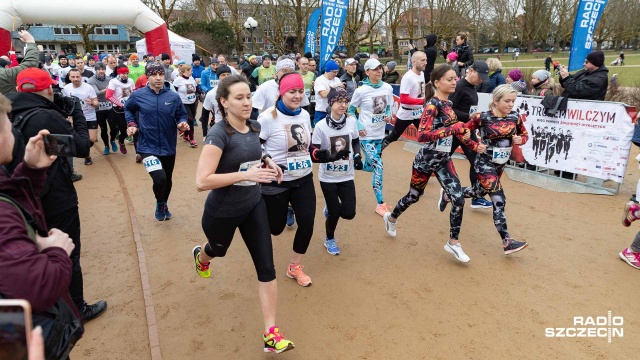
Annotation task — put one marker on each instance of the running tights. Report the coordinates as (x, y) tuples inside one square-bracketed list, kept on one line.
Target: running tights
[(398, 130), (341, 203), (191, 116), (255, 233), (373, 163), (105, 117), (121, 123), (469, 154), (303, 201), (162, 178), (204, 121)]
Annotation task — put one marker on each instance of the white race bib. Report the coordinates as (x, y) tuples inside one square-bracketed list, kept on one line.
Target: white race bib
[(124, 100), (337, 168), (244, 167), (444, 144), (152, 163), (191, 97), (213, 83), (297, 166), (416, 113), (377, 121), (104, 105), (501, 155)]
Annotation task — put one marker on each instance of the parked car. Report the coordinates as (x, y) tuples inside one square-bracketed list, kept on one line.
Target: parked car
[(538, 50), (550, 48), (363, 55)]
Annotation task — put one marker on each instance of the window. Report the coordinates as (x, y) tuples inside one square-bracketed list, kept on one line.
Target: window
[(52, 47), (259, 40), (99, 30), (107, 31), (100, 47), (74, 30), (114, 31), (57, 31), (109, 47), (66, 31), (286, 28), (226, 13)]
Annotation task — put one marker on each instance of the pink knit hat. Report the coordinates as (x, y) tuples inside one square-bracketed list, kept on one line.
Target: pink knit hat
[(452, 56), (291, 81)]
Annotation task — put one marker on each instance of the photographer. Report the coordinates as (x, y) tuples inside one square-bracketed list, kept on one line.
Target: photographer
[(31, 56), (590, 83), (35, 106)]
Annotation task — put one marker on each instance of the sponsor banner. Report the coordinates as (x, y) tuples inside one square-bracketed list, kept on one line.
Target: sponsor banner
[(334, 14), (590, 138), (587, 17), (312, 31)]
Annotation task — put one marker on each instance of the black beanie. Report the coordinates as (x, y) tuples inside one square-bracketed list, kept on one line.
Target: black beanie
[(596, 58), (223, 69), (195, 57), (165, 56)]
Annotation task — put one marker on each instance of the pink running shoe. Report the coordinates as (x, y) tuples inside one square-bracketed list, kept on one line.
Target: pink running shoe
[(630, 213), (294, 271), (123, 149), (631, 258)]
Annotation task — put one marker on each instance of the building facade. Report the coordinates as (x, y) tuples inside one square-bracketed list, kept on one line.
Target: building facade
[(66, 38)]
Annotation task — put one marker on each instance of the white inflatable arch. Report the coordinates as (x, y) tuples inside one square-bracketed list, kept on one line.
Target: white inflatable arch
[(13, 13)]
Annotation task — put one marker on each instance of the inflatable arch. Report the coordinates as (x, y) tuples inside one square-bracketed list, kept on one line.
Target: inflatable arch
[(13, 13)]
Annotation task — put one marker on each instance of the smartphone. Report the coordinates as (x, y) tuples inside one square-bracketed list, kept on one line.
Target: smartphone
[(59, 145), (15, 329), (15, 34)]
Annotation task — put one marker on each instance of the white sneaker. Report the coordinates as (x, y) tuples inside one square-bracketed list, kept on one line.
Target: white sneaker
[(457, 251), (388, 225)]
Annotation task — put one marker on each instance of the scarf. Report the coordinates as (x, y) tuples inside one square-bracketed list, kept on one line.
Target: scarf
[(285, 110), (375, 86), (336, 124)]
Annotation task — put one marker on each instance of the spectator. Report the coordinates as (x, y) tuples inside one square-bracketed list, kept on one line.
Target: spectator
[(59, 197), (359, 68), (542, 83), (350, 79), (589, 83), (621, 58), (8, 75), (391, 75), (341, 70), (432, 53), (517, 82), (495, 76), (547, 63), (465, 53)]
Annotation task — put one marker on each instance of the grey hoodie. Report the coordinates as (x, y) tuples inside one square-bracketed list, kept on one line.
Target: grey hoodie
[(99, 85)]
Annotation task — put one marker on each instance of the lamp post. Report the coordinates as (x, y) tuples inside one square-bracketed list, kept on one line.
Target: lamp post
[(251, 24)]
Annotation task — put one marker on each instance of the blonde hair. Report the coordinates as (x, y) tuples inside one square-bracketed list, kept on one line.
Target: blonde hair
[(499, 92), (183, 68), (494, 64)]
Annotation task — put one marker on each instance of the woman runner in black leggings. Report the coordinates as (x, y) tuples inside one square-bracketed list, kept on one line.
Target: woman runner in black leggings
[(231, 165)]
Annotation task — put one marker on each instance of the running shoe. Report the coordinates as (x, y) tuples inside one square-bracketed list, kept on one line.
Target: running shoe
[(325, 212), (195, 123), (385, 143), (294, 271), (201, 269), (389, 226), (160, 211), (87, 160), (106, 151), (291, 217), (457, 251), (275, 342), (629, 216), (481, 203), (442, 202), (193, 143), (382, 209), (138, 158), (630, 257), (129, 139), (332, 247), (167, 214), (76, 177), (123, 149), (510, 246), (114, 148)]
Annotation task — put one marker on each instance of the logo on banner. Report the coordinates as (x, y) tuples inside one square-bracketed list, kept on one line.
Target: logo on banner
[(590, 327), (587, 17), (312, 30), (334, 13)]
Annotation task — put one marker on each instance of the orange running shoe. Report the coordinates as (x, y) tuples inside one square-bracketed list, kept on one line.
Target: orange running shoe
[(294, 271), (382, 209)]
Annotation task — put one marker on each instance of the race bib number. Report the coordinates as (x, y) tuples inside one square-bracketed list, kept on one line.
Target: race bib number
[(416, 113), (444, 144), (152, 163), (244, 167), (377, 121), (213, 83), (337, 168), (312, 98), (124, 100), (298, 166), (501, 155), (191, 97), (104, 105)]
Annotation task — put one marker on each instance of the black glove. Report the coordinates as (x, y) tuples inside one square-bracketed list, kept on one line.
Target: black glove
[(357, 162), (340, 155)]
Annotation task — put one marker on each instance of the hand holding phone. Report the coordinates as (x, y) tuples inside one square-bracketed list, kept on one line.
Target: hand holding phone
[(15, 325), (35, 155), (59, 145)]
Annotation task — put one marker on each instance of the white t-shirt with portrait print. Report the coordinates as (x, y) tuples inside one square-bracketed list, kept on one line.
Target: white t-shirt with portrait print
[(211, 104), (85, 91), (373, 103), (321, 84), (287, 139), (413, 85), (121, 91), (331, 139), (186, 88)]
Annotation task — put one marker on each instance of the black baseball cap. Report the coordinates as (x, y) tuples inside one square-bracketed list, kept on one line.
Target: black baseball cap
[(482, 69)]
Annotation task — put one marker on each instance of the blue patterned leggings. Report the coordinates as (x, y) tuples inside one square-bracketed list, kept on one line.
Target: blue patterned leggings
[(373, 163)]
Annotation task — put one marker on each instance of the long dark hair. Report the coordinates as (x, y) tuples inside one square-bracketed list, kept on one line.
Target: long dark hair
[(437, 74), (223, 92)]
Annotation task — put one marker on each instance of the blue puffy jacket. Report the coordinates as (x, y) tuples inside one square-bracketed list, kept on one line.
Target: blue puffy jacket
[(157, 121), (205, 79)]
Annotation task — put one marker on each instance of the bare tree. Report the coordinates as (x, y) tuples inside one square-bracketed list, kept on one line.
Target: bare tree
[(535, 21), (85, 30), (362, 18), (164, 8)]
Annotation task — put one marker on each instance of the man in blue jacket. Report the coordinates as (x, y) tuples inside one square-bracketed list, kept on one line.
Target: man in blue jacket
[(160, 114), (209, 79)]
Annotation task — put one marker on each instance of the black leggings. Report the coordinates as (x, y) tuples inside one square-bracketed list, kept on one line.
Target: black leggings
[(341, 203), (399, 128), (255, 233), (162, 178), (303, 200), (191, 115), (104, 118), (469, 154), (204, 121), (121, 122)]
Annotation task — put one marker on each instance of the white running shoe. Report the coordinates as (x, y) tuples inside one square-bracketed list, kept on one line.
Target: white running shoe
[(388, 225), (457, 251)]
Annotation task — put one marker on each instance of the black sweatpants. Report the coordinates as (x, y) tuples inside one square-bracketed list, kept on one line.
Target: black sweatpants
[(69, 222), (303, 200), (399, 128), (107, 134), (341, 203), (254, 229), (162, 178), (121, 123), (191, 115)]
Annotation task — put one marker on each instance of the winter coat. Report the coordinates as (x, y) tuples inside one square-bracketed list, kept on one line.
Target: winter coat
[(585, 85), (8, 76), (432, 54), (391, 77)]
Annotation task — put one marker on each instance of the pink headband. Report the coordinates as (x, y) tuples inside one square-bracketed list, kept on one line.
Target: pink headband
[(291, 81)]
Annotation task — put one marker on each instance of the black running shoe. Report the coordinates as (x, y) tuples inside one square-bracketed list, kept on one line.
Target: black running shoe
[(90, 312), (87, 160), (510, 246), (442, 203), (76, 177)]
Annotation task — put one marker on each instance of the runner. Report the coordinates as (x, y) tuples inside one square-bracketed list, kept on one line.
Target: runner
[(104, 115), (499, 128), (135, 68), (437, 126), (222, 60), (89, 101), (285, 131), (111, 66), (308, 77), (210, 105), (350, 79), (321, 87), (374, 98), (63, 69), (209, 79), (118, 91), (157, 130), (265, 72), (267, 93), (334, 143), (90, 63), (186, 86), (84, 73), (411, 98), (631, 255), (230, 167)]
